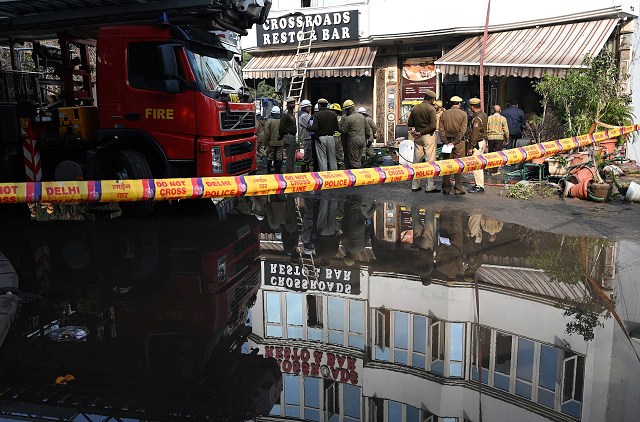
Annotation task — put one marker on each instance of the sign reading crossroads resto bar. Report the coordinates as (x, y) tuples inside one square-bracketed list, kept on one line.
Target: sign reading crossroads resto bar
[(297, 278), (327, 27)]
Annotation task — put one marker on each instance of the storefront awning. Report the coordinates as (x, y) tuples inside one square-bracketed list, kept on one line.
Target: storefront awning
[(529, 52), (355, 61)]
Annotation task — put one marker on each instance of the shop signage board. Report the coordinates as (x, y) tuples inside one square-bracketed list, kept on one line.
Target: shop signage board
[(329, 280), (328, 27), (418, 75), (315, 363)]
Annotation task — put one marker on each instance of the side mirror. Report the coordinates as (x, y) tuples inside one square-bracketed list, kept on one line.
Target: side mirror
[(167, 61), (171, 86)]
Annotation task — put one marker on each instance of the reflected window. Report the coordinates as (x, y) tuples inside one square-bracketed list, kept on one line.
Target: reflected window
[(273, 307), (437, 347), (336, 313), (484, 343), (572, 384), (419, 342), (502, 374), (395, 411), (356, 316), (401, 337), (457, 352), (314, 311), (351, 400), (548, 375), (383, 321), (524, 368), (291, 389), (294, 309)]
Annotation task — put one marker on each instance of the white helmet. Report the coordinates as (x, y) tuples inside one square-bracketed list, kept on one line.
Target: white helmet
[(275, 110), (316, 108), (362, 110), (305, 103)]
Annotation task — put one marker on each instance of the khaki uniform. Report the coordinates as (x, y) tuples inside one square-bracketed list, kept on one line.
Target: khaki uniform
[(272, 139), (453, 125), (477, 134), (354, 129), (423, 118)]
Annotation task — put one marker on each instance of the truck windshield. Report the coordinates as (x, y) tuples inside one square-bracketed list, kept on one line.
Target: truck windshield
[(216, 73)]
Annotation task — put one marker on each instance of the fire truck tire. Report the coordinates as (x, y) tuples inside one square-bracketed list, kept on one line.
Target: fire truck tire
[(131, 164)]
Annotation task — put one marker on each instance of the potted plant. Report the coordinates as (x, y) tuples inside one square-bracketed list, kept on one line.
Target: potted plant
[(558, 165)]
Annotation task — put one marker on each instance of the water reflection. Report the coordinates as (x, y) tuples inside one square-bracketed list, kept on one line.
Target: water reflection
[(166, 309), (405, 314), (351, 310)]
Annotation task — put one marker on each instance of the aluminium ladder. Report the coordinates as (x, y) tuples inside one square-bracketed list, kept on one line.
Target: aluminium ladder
[(301, 63)]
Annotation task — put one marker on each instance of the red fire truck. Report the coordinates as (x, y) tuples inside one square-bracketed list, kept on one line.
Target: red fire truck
[(167, 100)]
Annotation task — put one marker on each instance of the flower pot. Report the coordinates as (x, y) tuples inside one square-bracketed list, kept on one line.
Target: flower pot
[(609, 145), (538, 160), (555, 169), (583, 174), (600, 192), (584, 155), (580, 190)]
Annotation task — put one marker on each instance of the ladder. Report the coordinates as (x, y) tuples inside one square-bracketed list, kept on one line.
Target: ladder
[(301, 63), (308, 265)]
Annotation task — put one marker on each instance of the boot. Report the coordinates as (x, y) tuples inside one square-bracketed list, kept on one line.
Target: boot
[(278, 167), (269, 164)]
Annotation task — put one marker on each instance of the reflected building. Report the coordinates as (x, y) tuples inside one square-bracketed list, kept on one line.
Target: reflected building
[(393, 345)]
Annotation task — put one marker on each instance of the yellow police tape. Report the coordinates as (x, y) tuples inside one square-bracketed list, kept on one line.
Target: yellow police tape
[(217, 187)]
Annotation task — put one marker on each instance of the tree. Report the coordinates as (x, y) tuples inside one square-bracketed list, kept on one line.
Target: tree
[(262, 90), (589, 96)]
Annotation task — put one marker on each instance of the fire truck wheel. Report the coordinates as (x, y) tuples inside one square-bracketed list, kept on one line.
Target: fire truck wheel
[(131, 164)]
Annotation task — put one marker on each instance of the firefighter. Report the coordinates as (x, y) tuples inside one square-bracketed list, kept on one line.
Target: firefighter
[(371, 133), (304, 136), (353, 127), (288, 131), (273, 142), (339, 145)]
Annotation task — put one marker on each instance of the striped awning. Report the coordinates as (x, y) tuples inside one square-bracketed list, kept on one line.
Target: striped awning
[(355, 61), (530, 52), (532, 281)]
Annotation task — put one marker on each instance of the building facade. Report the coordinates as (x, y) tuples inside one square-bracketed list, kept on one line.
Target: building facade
[(385, 54)]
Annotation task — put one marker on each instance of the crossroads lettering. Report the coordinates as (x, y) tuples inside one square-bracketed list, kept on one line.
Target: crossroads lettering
[(327, 27), (300, 279)]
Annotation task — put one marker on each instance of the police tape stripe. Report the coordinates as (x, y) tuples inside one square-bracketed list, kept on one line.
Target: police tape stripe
[(217, 187)]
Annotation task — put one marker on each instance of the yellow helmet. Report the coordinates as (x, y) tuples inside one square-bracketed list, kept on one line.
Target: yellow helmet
[(335, 106), (348, 104)]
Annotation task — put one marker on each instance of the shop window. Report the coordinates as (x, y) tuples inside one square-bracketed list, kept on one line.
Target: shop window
[(314, 311), (294, 315), (413, 414), (336, 313)]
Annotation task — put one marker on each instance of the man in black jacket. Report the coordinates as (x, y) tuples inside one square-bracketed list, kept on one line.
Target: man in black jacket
[(516, 121)]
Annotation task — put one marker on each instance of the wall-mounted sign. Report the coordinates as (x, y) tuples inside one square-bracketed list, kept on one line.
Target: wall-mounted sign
[(297, 278), (418, 75), (315, 363), (328, 27)]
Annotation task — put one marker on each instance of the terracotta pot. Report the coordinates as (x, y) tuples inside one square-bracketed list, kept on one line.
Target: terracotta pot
[(582, 175), (609, 145), (538, 160), (584, 156), (581, 190)]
